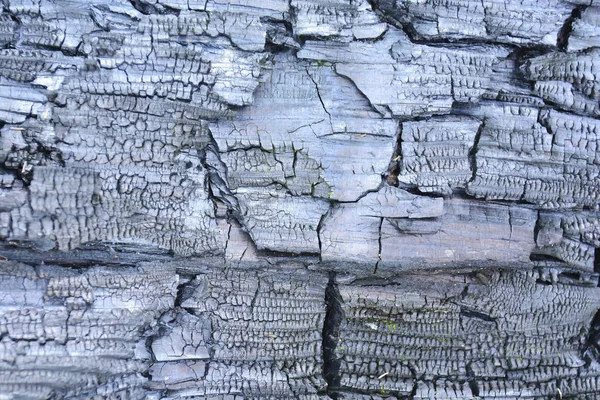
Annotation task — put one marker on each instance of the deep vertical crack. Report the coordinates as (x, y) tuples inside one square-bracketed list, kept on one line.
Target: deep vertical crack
[(473, 151), (562, 39), (379, 248), (394, 167), (331, 335), (591, 345)]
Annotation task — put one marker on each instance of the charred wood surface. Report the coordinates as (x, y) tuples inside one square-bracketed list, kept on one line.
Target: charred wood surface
[(342, 199)]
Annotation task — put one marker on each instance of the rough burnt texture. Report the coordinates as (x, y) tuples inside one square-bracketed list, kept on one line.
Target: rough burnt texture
[(77, 333), (342, 199), (483, 335)]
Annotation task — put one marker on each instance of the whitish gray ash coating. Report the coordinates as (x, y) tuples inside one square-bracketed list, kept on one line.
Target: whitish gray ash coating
[(315, 199)]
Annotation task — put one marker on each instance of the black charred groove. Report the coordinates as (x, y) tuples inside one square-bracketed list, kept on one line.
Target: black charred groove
[(472, 381), (474, 149), (331, 335), (78, 258), (184, 289), (396, 161), (543, 257), (147, 8), (592, 342), (308, 256), (476, 314), (545, 282), (378, 247), (562, 40)]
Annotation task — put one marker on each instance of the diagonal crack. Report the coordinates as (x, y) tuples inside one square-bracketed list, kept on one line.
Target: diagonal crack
[(320, 98)]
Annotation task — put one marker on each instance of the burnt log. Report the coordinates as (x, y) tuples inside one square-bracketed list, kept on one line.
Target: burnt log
[(303, 199)]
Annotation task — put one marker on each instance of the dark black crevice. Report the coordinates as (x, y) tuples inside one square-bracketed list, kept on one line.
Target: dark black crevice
[(413, 189), (537, 228), (379, 247), (275, 48), (267, 253), (216, 177), (470, 313), (591, 346), (597, 260), (186, 288), (521, 57), (331, 336), (84, 256), (147, 8), (473, 151), (544, 257), (471, 380), (320, 228), (543, 282), (394, 167), (276, 30), (562, 39)]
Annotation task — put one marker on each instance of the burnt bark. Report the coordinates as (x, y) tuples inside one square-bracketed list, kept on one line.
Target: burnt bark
[(299, 199)]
